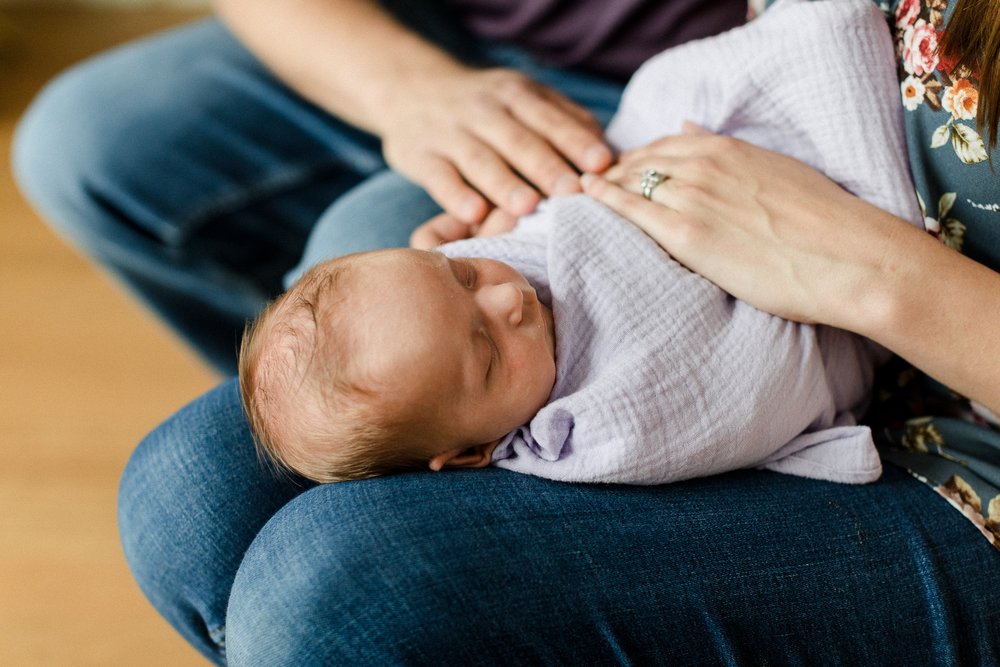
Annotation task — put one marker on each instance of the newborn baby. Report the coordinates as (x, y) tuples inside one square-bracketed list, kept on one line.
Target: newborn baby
[(380, 362), (573, 348), (397, 359)]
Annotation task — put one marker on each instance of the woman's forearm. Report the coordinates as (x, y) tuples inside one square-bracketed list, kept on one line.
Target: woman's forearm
[(348, 56), (939, 310)]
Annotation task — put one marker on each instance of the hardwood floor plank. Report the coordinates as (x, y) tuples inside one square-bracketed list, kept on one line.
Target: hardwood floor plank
[(77, 359)]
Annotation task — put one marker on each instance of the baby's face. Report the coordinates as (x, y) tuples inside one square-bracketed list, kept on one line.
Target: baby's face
[(465, 342)]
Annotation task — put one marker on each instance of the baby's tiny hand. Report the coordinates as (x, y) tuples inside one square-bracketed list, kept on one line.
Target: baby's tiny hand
[(497, 222), (440, 229), (444, 228)]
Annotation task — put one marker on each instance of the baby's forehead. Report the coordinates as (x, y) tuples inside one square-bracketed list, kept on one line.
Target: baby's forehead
[(394, 300), (404, 307)]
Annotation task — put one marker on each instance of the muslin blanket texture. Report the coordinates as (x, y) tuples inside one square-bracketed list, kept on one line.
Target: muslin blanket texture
[(660, 375)]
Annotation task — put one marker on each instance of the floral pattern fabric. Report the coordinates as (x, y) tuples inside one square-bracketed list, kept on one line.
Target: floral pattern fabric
[(943, 439), (928, 78)]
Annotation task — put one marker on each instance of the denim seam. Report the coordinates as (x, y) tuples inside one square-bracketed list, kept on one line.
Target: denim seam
[(237, 198)]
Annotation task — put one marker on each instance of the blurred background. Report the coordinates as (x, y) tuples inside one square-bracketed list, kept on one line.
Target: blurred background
[(84, 374)]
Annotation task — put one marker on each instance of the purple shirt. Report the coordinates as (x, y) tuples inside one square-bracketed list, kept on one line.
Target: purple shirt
[(609, 37)]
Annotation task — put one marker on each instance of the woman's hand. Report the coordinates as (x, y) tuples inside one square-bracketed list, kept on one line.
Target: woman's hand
[(766, 228), (483, 139), (781, 236), (474, 139)]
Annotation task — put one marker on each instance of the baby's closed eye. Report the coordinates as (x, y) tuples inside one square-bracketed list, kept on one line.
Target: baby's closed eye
[(494, 353), (470, 275)]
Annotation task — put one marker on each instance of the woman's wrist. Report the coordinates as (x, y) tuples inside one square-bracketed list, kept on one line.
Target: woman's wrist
[(878, 277), (350, 57), (934, 307)]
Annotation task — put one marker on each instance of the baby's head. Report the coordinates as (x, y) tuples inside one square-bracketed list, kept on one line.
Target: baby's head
[(396, 359)]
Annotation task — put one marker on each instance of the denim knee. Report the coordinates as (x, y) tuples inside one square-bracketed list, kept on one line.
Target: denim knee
[(490, 567), (415, 569), (298, 580), (333, 578), (191, 499), (111, 142), (380, 212)]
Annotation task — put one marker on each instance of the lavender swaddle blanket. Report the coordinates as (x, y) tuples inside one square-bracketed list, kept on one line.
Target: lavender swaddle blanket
[(662, 376)]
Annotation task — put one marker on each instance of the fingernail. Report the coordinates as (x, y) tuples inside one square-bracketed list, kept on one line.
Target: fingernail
[(523, 199), (596, 157), (587, 180), (566, 184)]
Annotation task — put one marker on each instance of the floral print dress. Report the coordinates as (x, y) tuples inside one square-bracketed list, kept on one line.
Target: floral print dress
[(943, 439)]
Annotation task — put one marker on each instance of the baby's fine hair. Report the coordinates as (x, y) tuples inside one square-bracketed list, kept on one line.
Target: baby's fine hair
[(311, 411)]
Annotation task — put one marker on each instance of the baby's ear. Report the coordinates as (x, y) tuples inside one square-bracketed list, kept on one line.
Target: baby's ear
[(478, 456)]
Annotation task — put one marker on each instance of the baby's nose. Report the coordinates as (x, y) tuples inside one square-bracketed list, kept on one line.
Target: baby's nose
[(504, 301)]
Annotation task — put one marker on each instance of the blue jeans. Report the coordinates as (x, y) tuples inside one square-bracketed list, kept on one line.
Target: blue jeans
[(200, 194), (492, 567)]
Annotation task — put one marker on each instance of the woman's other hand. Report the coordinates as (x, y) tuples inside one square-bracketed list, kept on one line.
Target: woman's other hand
[(483, 139), (475, 139)]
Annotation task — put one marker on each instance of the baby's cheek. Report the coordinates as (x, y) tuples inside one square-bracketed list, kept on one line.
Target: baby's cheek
[(544, 378)]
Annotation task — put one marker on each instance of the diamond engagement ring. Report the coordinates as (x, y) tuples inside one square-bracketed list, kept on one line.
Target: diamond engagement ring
[(651, 179)]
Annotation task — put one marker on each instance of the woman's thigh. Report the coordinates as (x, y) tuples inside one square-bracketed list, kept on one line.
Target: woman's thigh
[(488, 567), (189, 171)]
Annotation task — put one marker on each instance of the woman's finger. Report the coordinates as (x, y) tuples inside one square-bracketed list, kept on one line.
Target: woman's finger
[(580, 143), (682, 145), (530, 154), (623, 174), (649, 177), (617, 172), (490, 173), (662, 223), (446, 186)]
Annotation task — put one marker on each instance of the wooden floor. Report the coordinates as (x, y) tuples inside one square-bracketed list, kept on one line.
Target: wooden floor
[(84, 374)]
